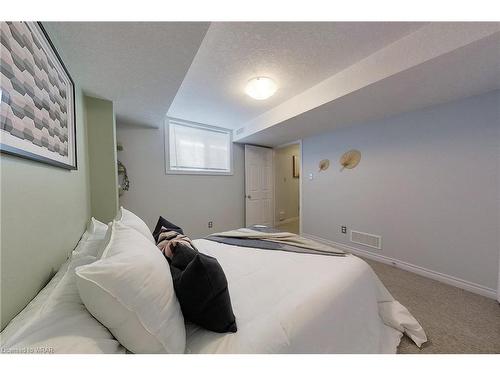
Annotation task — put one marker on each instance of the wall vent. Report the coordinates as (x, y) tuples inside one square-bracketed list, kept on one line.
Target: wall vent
[(240, 130), (367, 239)]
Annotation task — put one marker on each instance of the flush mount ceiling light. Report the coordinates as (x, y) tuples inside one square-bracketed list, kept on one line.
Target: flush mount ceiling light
[(261, 88)]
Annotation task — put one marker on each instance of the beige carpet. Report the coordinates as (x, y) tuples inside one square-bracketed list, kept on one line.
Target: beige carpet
[(455, 321)]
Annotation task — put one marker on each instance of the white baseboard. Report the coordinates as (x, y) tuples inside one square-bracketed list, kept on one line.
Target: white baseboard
[(447, 279)]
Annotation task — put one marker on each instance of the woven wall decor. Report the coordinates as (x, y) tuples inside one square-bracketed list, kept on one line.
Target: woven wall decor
[(350, 159), (324, 164)]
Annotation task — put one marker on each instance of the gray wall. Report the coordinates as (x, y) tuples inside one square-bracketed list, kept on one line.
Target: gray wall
[(187, 200), (44, 211), (428, 182), (286, 187)]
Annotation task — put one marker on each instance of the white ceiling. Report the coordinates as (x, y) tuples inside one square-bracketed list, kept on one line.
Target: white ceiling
[(467, 71), (403, 76), (329, 74), (297, 55), (138, 65)]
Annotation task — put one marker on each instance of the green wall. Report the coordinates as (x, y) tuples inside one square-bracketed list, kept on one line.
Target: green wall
[(44, 211), (102, 158)]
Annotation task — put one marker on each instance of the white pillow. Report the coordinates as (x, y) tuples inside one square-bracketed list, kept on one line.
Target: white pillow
[(133, 221), (56, 321), (102, 244), (91, 243), (97, 228), (130, 291)]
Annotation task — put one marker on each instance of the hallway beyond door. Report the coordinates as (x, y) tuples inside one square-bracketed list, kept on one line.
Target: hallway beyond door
[(287, 188)]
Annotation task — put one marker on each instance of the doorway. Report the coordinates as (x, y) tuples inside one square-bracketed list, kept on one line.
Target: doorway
[(287, 182)]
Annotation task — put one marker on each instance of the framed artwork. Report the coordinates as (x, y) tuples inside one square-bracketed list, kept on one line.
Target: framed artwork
[(295, 167), (37, 113)]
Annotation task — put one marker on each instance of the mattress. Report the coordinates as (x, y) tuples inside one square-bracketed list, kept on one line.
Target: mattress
[(302, 303)]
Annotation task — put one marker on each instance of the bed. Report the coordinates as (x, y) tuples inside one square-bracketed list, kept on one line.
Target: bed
[(284, 303), (300, 303)]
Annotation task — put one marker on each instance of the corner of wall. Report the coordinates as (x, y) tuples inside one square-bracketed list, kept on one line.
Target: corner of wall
[(101, 141)]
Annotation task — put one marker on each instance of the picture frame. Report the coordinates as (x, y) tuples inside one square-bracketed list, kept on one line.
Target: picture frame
[(295, 167), (37, 97)]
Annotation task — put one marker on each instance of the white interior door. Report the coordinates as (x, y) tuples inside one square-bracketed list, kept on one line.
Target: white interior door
[(259, 186)]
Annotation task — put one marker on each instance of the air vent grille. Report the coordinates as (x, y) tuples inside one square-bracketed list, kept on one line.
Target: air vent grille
[(367, 239)]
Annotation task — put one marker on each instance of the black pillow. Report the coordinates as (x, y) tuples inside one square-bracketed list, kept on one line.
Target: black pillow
[(167, 225), (201, 288)]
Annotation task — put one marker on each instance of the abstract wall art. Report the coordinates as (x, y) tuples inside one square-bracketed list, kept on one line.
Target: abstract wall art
[(37, 113)]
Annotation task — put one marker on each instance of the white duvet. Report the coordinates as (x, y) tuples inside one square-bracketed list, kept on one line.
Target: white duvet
[(301, 303)]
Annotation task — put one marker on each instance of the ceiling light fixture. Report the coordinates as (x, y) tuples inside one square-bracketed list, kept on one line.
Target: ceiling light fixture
[(261, 88)]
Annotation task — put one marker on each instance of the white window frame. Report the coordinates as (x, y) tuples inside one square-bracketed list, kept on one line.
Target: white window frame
[(166, 131)]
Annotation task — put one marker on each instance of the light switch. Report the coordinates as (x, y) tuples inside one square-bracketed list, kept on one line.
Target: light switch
[(311, 176)]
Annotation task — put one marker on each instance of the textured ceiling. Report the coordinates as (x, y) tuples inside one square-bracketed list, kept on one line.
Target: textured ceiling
[(329, 74), (138, 65), (467, 71), (297, 55)]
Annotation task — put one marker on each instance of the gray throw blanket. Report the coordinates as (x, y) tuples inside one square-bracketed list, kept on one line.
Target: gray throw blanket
[(245, 238)]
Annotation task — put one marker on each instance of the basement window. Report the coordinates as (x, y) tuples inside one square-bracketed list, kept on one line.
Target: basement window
[(192, 148)]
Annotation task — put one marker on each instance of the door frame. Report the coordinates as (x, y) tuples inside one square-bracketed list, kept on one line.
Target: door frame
[(301, 156)]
